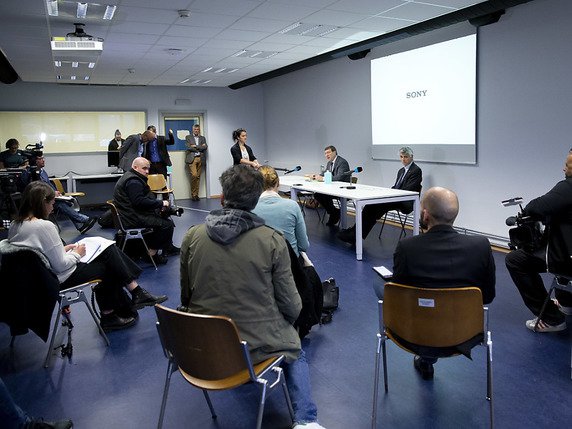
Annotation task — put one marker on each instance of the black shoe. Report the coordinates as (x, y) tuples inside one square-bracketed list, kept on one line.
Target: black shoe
[(171, 250), (87, 225), (347, 235), (141, 298), (159, 259), (334, 218), (41, 424), (425, 368), (113, 322), (196, 198)]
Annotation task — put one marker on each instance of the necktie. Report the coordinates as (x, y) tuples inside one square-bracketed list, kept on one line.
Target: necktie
[(400, 181)]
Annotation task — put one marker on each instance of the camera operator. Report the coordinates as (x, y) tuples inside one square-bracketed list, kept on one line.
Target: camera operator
[(12, 157), (139, 208), (554, 209)]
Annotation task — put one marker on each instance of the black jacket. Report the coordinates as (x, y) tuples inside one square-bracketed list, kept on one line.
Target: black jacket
[(442, 258), (135, 202), (555, 210)]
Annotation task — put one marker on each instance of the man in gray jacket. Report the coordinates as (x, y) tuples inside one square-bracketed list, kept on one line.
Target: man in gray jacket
[(247, 277)]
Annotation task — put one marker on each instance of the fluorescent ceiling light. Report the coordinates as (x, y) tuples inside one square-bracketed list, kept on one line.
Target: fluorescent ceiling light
[(309, 30), (58, 77), (52, 7), (206, 70), (239, 53), (220, 70), (207, 81), (109, 12), (232, 71), (72, 77), (86, 78), (58, 63), (91, 65), (81, 10), (186, 80), (75, 64), (290, 27), (255, 54)]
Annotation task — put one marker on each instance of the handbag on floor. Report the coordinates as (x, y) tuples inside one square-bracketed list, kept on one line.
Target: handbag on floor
[(331, 294)]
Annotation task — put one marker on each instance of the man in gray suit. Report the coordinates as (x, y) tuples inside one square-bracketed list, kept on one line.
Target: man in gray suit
[(134, 147), (340, 170), (195, 158)]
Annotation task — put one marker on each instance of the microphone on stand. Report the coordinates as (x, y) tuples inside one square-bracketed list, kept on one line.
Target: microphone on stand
[(297, 168), (350, 172), (280, 169)]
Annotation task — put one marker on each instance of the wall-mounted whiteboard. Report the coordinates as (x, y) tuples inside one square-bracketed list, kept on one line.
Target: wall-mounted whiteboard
[(69, 132)]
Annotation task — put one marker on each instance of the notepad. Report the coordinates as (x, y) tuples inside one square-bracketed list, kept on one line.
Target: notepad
[(93, 247), (383, 272)]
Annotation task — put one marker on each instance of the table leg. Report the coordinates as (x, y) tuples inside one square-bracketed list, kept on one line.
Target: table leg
[(359, 241)]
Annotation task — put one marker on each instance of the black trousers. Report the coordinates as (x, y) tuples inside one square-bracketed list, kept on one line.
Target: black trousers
[(524, 268), (115, 269), (373, 212), (158, 168), (326, 201)]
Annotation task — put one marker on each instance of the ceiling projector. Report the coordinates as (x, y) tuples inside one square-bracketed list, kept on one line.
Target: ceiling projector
[(78, 44)]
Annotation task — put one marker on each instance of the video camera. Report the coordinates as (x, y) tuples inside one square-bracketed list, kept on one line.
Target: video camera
[(528, 232), (172, 210), (33, 151)]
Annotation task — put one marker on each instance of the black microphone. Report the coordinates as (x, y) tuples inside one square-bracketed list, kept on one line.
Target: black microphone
[(280, 169), (510, 221), (355, 170), (297, 168)]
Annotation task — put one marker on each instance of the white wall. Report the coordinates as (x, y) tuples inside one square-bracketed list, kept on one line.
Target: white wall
[(523, 126), (224, 110)]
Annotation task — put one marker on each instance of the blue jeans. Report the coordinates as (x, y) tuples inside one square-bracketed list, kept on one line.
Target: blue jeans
[(11, 415), (77, 218), (297, 375)]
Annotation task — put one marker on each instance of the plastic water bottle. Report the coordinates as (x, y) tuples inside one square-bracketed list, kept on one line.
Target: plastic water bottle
[(328, 177)]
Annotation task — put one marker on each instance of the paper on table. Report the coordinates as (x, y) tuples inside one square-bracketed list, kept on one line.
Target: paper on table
[(93, 247)]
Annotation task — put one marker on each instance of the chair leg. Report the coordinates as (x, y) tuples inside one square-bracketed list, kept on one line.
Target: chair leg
[(376, 382), (261, 405), (150, 257), (544, 304), (490, 377), (82, 297), (209, 403), (403, 223), (287, 396), (54, 332), (165, 394), (382, 225)]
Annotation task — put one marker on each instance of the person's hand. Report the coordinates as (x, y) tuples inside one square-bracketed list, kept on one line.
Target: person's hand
[(69, 247), (256, 164), (58, 194), (165, 203), (80, 250)]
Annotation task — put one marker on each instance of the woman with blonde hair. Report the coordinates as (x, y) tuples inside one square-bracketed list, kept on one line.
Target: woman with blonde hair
[(281, 213)]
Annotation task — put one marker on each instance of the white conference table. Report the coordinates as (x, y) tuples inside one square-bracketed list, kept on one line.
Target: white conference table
[(362, 195)]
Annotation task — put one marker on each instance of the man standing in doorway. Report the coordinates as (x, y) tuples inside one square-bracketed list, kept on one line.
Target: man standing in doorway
[(195, 158)]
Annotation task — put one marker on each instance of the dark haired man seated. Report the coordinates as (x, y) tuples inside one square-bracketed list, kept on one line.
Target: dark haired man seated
[(234, 265)]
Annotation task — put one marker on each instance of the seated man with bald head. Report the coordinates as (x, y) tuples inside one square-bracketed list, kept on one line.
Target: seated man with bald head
[(139, 208), (442, 258)]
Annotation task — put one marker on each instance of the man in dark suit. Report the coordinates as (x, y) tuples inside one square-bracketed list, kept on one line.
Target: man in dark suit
[(442, 258), (195, 158), (134, 146), (340, 170), (555, 210), (409, 178), (157, 153)]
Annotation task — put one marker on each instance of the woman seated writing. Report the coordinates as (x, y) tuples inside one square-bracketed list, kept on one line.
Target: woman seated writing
[(31, 229)]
